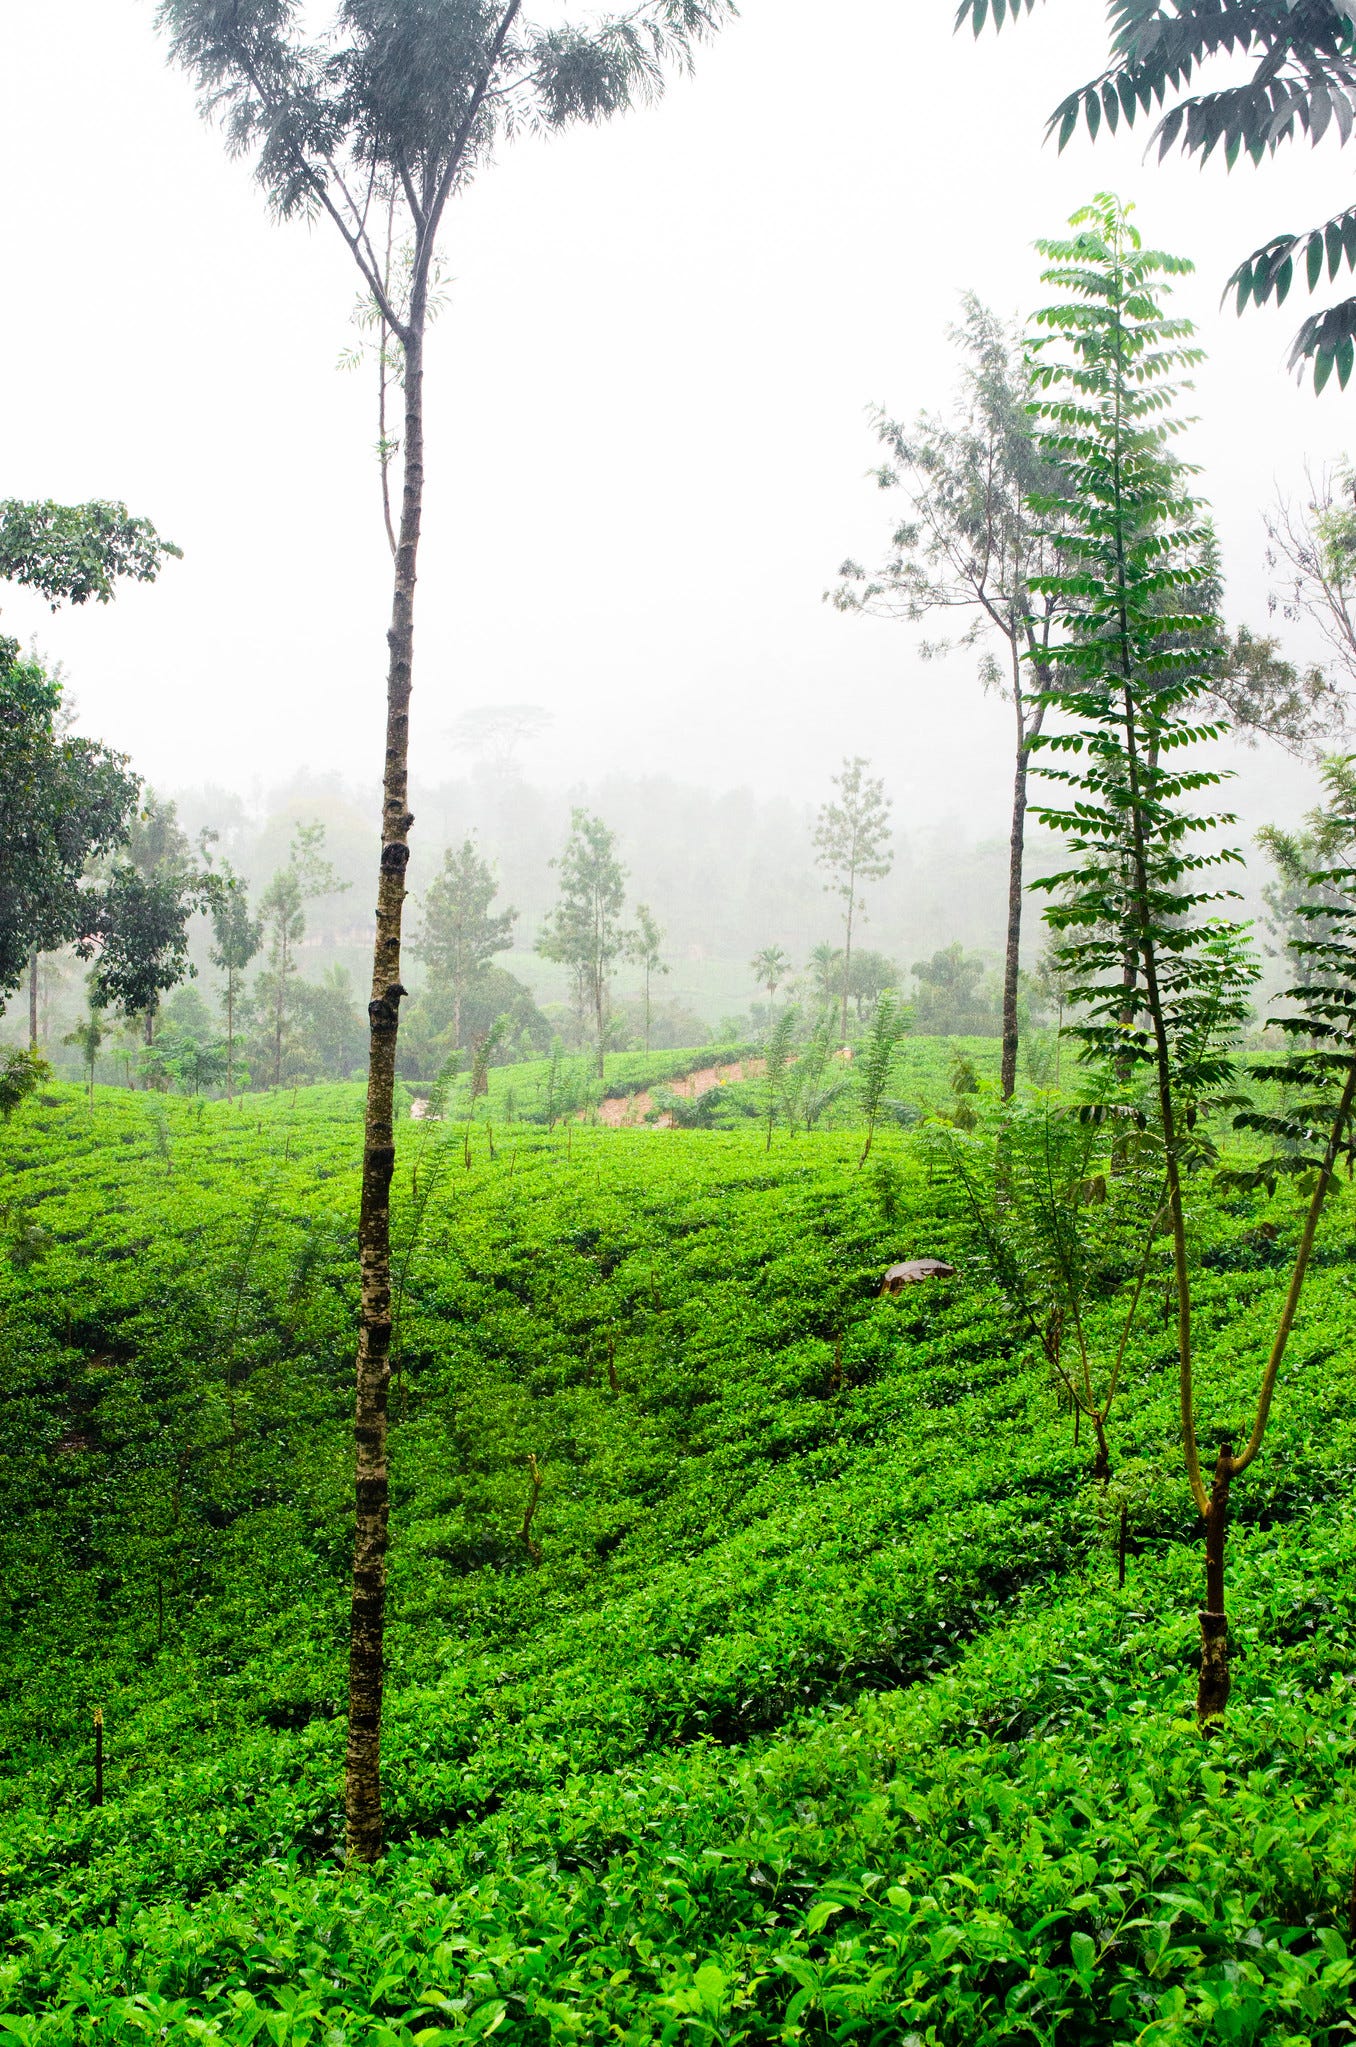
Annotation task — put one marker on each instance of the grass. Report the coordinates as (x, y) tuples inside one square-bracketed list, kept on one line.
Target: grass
[(822, 1715)]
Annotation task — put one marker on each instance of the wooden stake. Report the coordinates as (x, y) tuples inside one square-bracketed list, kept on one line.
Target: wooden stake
[(98, 1755)]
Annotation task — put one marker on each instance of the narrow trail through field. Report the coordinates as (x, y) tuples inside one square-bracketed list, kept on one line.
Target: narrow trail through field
[(620, 1112)]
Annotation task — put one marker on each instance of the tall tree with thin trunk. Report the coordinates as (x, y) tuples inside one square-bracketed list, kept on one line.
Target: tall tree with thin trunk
[(852, 841), (967, 544), (584, 930), (238, 936), (646, 949), (1131, 678), (382, 122)]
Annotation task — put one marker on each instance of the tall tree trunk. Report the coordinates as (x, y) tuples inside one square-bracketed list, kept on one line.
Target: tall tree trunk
[(1212, 1693), (1012, 956), (230, 1033), (847, 964), (150, 1026), (599, 995), (362, 1773), (456, 1019), (33, 1001)]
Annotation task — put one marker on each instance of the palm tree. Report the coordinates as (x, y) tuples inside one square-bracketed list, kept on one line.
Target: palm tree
[(771, 967)]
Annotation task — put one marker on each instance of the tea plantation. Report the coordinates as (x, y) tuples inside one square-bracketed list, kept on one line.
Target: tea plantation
[(806, 1707)]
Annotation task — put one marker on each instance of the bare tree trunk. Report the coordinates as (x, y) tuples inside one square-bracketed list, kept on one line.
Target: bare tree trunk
[(230, 1033), (1012, 958), (1212, 1694), (150, 1026), (847, 962), (456, 1019), (33, 1001), (362, 1774)]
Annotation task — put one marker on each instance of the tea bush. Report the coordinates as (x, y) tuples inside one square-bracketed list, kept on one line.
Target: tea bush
[(822, 1715)]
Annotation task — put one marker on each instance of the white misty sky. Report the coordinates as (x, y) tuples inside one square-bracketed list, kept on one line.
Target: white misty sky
[(647, 434)]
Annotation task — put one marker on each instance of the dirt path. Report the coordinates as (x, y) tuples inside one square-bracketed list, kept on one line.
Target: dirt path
[(625, 1112)]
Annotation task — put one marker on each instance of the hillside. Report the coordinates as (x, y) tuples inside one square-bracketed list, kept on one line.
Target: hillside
[(818, 1712)]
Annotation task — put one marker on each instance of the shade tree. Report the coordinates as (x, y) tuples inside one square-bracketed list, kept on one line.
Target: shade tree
[(646, 950), (376, 127)]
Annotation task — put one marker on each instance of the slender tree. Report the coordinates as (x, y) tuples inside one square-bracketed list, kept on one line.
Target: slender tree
[(307, 876), (238, 936), (1130, 679), (852, 841), (646, 949), (825, 970), (388, 118), (968, 546), (584, 930), (89, 1035), (461, 932), (888, 1025)]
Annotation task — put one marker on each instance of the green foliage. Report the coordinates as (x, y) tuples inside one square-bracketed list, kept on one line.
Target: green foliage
[(1300, 83), (1129, 676), (875, 1064), (824, 1646), (74, 552), (63, 801), (22, 1074)]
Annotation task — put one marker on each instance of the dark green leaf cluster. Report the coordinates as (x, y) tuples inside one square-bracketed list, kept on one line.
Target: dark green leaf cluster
[(63, 801), (74, 552), (1302, 81)]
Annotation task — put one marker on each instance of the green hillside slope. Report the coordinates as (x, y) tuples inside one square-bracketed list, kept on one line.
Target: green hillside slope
[(810, 1707)]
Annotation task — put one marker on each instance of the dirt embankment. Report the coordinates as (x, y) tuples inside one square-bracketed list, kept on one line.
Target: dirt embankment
[(624, 1112)]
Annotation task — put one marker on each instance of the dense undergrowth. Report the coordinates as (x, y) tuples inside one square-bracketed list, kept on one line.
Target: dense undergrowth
[(821, 1714)]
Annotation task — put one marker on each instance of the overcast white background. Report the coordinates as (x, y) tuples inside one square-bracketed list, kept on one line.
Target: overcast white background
[(647, 438)]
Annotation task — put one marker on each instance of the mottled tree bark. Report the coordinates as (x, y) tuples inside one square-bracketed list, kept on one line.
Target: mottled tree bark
[(1028, 726), (362, 1777), (33, 1001), (1212, 1694)]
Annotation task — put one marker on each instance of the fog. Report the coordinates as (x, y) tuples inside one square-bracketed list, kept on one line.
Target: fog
[(648, 454)]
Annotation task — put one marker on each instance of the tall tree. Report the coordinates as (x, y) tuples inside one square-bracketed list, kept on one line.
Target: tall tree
[(306, 876), (967, 544), (237, 936), (584, 930), (1131, 678), (63, 802), (461, 932), (852, 841), (646, 948), (1300, 78), (389, 117)]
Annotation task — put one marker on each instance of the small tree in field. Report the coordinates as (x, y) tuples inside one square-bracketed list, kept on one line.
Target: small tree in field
[(307, 876), (377, 127), (852, 839), (238, 936), (646, 948), (584, 930), (462, 933), (969, 546), (772, 966), (89, 1036)]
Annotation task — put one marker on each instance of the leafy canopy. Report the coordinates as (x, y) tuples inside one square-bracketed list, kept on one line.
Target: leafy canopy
[(1299, 78)]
